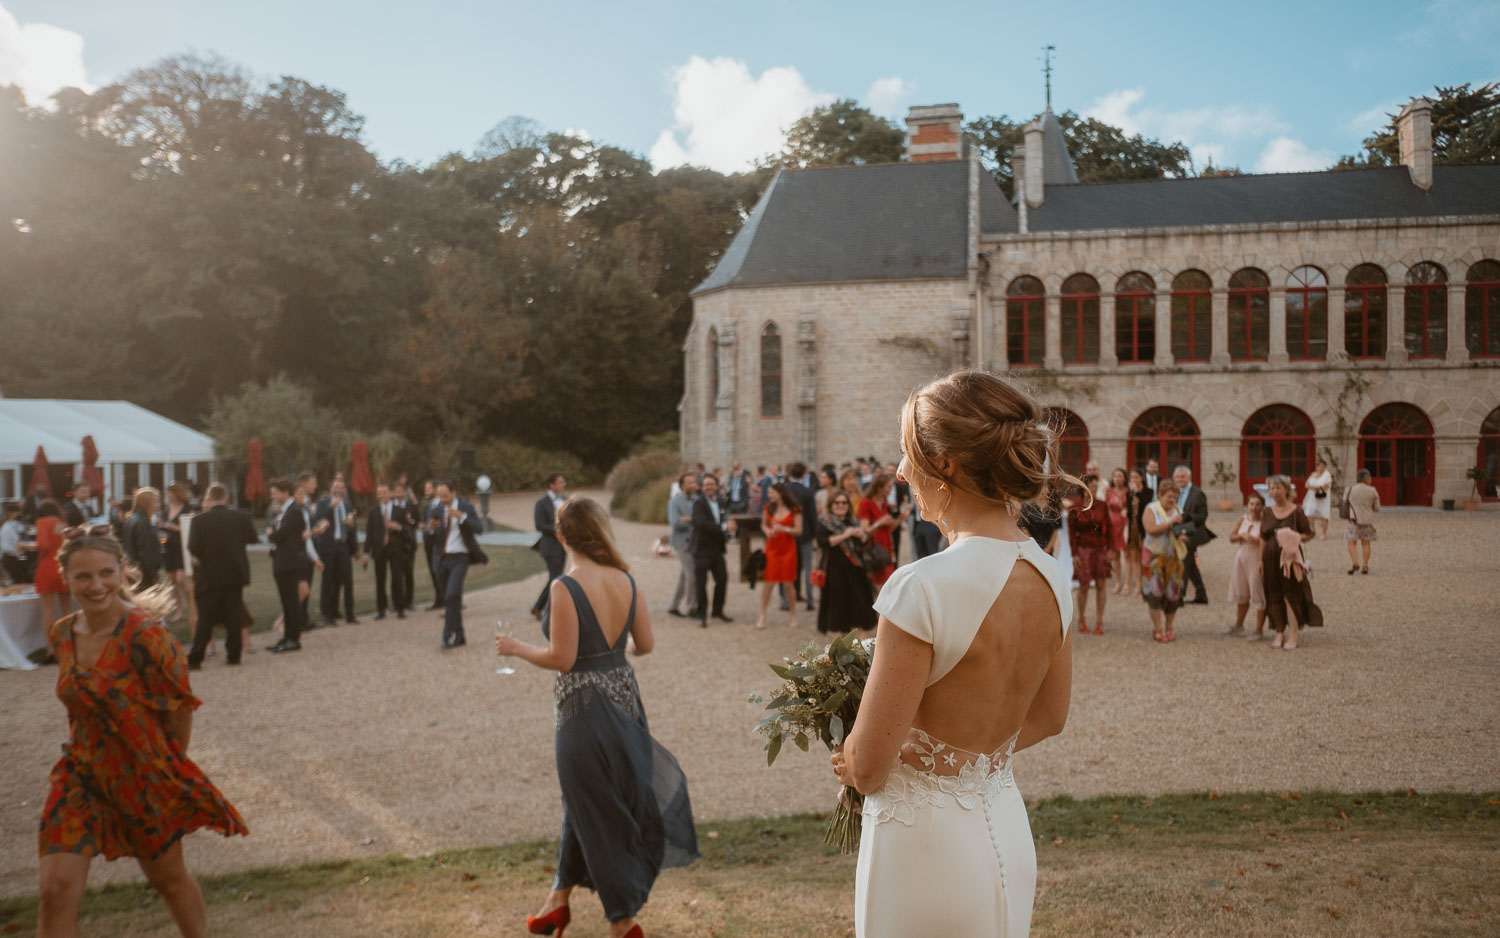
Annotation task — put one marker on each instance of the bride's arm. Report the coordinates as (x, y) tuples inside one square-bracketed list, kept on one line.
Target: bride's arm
[(1049, 708), (561, 653), (898, 676)]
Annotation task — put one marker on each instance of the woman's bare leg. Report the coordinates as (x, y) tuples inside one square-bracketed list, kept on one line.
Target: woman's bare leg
[(168, 875), (1240, 611), (63, 879), (1101, 593), (766, 589)]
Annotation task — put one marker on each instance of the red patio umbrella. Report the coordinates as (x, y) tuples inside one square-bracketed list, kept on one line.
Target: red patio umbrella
[(362, 483), (41, 479), (255, 481), (92, 474)]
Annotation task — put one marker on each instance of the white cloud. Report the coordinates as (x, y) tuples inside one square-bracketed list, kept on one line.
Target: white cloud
[(1369, 121), (1210, 132), (40, 58), (1286, 155), (886, 95), (725, 118)]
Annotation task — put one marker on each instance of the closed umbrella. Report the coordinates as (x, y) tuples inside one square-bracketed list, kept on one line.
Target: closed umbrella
[(92, 474), (362, 483), (255, 481), (41, 478)]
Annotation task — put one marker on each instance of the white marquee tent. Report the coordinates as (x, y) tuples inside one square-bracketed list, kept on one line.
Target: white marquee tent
[(136, 447)]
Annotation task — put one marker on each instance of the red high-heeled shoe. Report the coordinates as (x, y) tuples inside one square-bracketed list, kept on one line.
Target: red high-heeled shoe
[(557, 919), (635, 932)]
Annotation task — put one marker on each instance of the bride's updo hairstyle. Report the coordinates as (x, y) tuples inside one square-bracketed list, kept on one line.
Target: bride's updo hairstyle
[(1000, 443), (583, 525)]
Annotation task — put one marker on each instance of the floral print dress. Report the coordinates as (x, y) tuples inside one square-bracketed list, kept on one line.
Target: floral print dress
[(1161, 568), (124, 787)]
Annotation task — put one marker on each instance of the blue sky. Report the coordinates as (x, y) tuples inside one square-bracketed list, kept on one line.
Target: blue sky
[(1272, 86)]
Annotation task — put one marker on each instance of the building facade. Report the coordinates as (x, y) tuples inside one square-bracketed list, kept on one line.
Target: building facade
[(1243, 325)]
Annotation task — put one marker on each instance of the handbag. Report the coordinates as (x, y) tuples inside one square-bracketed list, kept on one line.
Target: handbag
[(876, 558), (1345, 511)]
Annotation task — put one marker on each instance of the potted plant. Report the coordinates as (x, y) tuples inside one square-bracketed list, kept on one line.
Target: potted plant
[(1224, 477), (1478, 477)]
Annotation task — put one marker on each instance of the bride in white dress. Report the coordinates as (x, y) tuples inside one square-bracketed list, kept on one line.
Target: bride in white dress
[(973, 665)]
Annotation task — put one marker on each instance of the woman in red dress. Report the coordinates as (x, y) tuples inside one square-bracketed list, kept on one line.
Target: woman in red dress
[(49, 582), (1091, 537), (124, 786), (875, 517), (782, 524), (1114, 498)]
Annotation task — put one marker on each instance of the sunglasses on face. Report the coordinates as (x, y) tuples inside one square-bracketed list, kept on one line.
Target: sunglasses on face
[(89, 530)]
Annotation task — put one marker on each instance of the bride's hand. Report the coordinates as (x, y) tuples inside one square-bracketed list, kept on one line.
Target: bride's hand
[(840, 766)]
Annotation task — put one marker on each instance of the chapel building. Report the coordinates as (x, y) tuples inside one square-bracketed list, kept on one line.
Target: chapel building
[(1243, 325)]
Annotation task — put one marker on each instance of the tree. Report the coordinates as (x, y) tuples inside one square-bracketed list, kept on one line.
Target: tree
[(294, 432), (840, 134), (1101, 152), (1465, 129)]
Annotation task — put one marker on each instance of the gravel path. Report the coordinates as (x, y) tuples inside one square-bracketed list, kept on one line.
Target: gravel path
[(373, 741)]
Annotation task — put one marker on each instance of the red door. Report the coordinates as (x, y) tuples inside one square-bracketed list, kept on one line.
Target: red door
[(1395, 444), (1278, 440), (1169, 436)]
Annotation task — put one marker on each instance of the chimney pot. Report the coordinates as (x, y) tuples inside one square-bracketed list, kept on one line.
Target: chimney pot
[(934, 132), (1414, 133)]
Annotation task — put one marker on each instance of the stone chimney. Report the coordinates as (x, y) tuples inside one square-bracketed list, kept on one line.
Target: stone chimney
[(1034, 163), (934, 132), (1414, 130)]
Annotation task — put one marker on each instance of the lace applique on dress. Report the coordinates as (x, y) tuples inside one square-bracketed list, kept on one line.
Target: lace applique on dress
[(970, 779), (576, 689)]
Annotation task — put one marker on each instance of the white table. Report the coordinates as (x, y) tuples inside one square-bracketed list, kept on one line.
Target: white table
[(21, 630)]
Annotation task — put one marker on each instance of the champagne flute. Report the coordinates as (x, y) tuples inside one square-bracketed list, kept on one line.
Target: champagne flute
[(503, 628)]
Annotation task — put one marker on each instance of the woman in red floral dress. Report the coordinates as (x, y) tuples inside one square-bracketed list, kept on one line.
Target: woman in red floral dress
[(124, 786), (876, 519)]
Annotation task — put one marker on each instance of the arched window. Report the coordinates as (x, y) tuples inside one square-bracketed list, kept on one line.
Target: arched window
[(1192, 295), (1364, 312), (1072, 443), (1025, 334), (1482, 310), (1249, 316), (1395, 444), (1489, 456), (770, 371), (713, 373), (1307, 315), (1278, 440), (1426, 311), (1135, 318), (1080, 320), (1167, 435)]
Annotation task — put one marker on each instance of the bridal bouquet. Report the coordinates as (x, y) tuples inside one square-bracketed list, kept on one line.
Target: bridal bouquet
[(818, 699)]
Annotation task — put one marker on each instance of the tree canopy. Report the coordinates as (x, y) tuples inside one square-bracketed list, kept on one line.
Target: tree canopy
[(840, 134), (1465, 129), (1101, 152)]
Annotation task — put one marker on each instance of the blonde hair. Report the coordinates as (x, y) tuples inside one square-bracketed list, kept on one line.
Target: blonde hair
[(1000, 443), (158, 600), (584, 528), (135, 497)]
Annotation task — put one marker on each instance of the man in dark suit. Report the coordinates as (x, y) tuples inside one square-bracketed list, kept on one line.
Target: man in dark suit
[(802, 493), (291, 566), (382, 545), (1194, 528), (429, 510), (926, 536), (403, 586), (217, 538), (544, 516), (897, 501), (454, 529), (710, 527), (1153, 475), (338, 547), (78, 509)]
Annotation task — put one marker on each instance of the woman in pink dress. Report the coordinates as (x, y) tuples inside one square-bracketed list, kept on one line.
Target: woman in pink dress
[(1245, 587), (1114, 498)]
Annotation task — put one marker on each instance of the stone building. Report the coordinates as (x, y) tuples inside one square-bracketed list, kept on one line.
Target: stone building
[(1244, 325)]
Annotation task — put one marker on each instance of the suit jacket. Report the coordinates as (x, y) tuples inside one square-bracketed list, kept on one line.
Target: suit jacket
[(288, 550), (1195, 511), (809, 505), (737, 491), (326, 541), (400, 542), (72, 515), (217, 539), (544, 516), (682, 531), (141, 546), (708, 538), (468, 528)]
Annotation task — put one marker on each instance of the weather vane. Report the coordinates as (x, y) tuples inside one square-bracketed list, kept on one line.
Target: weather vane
[(1047, 51)]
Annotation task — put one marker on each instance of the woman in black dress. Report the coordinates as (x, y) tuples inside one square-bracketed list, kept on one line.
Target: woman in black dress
[(626, 813), (169, 523), (848, 595), (1283, 590)]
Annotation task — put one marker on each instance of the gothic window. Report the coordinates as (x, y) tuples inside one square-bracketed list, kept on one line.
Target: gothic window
[(770, 371), (1426, 311), (1365, 312), (713, 373), (1025, 335), (1192, 298), (1307, 315), (1080, 320), (1249, 315), (1072, 443), (1482, 310), (1135, 318)]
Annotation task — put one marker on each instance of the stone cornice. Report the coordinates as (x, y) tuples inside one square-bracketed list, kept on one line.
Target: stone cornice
[(1343, 224)]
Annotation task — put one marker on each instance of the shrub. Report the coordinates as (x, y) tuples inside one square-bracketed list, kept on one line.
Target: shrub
[(667, 441), (516, 467), (649, 505), (635, 473)]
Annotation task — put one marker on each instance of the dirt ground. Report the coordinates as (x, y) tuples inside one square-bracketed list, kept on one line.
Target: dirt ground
[(373, 741)]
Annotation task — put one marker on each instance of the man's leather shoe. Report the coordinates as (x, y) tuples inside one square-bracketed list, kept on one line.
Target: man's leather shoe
[(1198, 601), (400, 614), (722, 617), (285, 645), (702, 623), (329, 623), (195, 667), (352, 621), (434, 607), (378, 616), (674, 612)]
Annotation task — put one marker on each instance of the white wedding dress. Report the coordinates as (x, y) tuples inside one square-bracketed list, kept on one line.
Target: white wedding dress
[(946, 848)]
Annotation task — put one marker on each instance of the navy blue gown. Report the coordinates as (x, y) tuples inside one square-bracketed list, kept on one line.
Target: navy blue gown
[(626, 814)]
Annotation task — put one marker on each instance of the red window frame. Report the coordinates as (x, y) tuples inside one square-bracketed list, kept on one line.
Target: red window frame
[(1025, 322), (1482, 310), (1075, 326), (1283, 440), (1487, 456), (1427, 301), (1359, 308), (1243, 296), (1134, 291), (1162, 433), (1072, 444), (1192, 308), (1301, 284)]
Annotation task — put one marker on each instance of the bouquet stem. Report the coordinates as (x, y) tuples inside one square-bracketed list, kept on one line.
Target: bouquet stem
[(844, 825)]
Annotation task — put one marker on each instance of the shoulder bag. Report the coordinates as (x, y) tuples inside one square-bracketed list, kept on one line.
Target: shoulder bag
[(1346, 512)]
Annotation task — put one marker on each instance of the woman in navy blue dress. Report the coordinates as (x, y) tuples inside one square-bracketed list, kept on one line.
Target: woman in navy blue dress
[(626, 813)]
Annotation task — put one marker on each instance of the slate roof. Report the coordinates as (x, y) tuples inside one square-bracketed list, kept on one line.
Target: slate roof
[(1386, 192), (1057, 162), (886, 221)]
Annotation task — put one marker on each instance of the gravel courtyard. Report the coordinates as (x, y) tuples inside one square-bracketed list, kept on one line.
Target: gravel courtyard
[(373, 741)]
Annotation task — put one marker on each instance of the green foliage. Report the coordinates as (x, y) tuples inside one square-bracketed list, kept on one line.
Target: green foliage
[(1465, 129), (667, 441), (649, 504), (840, 134), (294, 432), (1101, 152), (636, 473), (517, 467)]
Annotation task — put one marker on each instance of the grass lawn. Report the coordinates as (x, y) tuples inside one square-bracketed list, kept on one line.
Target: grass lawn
[(1309, 864), (506, 564)]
